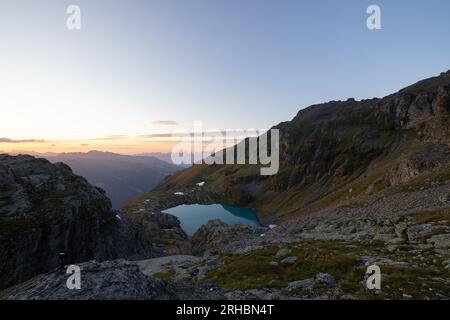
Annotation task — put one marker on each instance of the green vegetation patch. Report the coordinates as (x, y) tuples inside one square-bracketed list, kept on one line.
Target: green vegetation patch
[(427, 216), (254, 270), (166, 275), (341, 260)]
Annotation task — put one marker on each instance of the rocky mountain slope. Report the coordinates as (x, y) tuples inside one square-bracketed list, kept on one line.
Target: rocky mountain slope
[(45, 209), (334, 152)]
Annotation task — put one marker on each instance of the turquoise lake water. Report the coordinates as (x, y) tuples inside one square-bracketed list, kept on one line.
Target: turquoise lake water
[(192, 216)]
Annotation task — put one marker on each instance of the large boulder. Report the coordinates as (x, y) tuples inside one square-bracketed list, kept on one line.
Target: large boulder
[(112, 280), (216, 236)]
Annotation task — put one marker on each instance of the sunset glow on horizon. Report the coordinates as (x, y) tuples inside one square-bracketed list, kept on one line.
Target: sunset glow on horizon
[(120, 145), (156, 66), (124, 146)]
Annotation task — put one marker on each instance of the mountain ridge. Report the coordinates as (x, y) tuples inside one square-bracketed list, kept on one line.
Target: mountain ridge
[(339, 146)]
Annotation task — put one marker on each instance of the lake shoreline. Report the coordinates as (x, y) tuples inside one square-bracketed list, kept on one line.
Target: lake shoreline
[(193, 216)]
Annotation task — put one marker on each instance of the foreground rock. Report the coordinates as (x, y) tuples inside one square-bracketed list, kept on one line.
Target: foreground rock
[(306, 284), (218, 236), (110, 280), (177, 266), (117, 279)]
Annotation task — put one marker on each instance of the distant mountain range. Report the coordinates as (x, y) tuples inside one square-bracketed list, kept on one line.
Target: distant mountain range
[(123, 177), (167, 156)]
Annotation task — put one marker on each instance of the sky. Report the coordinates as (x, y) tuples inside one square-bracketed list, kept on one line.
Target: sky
[(144, 67)]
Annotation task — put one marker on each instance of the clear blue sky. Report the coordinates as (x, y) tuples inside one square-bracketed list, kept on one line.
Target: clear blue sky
[(232, 64)]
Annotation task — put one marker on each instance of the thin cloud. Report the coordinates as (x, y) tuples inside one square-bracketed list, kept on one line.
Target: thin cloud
[(7, 140), (161, 135), (234, 133), (237, 133), (112, 137), (165, 122)]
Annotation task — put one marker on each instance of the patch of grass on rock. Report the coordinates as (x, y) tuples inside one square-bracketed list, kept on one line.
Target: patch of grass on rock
[(254, 271)]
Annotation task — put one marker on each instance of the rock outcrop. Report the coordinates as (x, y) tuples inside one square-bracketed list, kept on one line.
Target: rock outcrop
[(216, 235), (45, 209), (109, 280), (118, 279)]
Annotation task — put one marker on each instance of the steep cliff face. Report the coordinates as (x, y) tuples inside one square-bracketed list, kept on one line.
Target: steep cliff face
[(45, 209), (332, 152)]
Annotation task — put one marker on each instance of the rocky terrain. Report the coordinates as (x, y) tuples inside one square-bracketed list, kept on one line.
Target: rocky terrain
[(360, 183)]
